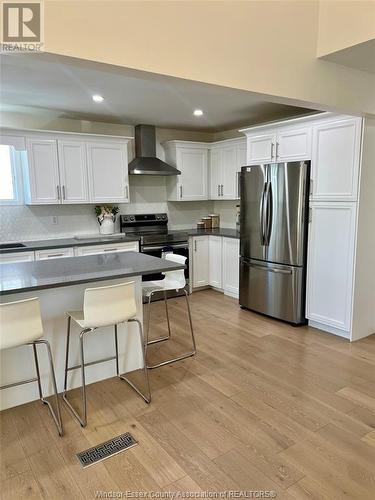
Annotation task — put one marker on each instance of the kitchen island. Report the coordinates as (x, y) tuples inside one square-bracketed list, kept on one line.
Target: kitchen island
[(60, 286)]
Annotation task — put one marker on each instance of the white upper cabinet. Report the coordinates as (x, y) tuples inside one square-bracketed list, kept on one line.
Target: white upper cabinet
[(229, 173), (336, 157), (108, 172), (215, 174), (73, 172), (241, 155), (332, 236), (261, 148), (192, 161), (293, 144), (43, 183), (226, 160), (280, 144), (75, 168)]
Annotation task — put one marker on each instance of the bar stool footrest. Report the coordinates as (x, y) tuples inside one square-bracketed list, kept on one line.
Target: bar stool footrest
[(145, 398), (173, 360)]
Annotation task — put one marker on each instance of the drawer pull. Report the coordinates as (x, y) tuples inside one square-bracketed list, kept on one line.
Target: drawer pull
[(55, 255), (110, 249)]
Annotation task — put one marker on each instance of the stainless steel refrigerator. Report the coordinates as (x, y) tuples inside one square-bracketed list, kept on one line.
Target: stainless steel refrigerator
[(273, 233)]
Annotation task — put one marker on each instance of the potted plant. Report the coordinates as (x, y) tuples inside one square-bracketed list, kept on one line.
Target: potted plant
[(106, 215)]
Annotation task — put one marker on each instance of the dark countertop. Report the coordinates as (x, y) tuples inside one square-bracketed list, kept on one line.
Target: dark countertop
[(67, 242), (77, 242), (221, 231), (39, 275)]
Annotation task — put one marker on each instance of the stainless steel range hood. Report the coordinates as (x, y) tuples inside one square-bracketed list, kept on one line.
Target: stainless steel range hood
[(145, 161)]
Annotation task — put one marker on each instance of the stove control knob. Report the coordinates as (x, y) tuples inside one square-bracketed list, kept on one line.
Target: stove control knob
[(164, 216), (132, 218), (158, 217)]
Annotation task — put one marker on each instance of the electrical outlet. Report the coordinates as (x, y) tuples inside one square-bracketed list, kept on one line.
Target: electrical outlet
[(55, 220)]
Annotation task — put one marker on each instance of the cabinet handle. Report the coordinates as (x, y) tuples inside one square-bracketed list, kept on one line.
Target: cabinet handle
[(218, 189), (310, 214), (180, 191), (277, 149), (272, 146), (126, 192), (311, 187), (195, 245), (55, 255), (110, 249), (58, 192), (64, 193)]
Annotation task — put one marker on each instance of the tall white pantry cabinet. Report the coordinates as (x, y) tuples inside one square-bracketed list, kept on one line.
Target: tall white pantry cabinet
[(340, 295)]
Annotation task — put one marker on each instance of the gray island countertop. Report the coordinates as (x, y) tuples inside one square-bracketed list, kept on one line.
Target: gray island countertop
[(39, 275)]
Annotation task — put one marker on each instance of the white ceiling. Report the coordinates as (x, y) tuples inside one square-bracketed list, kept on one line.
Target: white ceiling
[(131, 97), (360, 56)]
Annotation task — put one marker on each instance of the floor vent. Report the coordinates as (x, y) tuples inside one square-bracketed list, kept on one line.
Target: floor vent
[(106, 450)]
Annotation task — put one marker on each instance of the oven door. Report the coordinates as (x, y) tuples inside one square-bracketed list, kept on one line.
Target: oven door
[(160, 251)]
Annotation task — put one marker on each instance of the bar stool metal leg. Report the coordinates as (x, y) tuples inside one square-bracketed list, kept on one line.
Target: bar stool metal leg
[(184, 356), (56, 415), (82, 420), (160, 339), (146, 397)]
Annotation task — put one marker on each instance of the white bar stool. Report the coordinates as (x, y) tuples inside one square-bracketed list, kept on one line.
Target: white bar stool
[(21, 324), (103, 306), (173, 280)]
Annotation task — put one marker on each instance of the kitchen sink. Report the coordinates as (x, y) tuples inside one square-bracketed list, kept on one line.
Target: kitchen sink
[(4, 246)]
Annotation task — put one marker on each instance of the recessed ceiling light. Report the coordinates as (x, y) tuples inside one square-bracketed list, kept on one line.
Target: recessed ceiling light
[(97, 98), (197, 112)]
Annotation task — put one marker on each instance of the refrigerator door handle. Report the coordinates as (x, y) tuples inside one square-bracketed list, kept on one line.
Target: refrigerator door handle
[(262, 216), (272, 269), (268, 210)]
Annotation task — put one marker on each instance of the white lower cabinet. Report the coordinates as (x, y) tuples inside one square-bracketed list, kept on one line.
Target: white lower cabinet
[(54, 253), (131, 246), (330, 269), (200, 261), (215, 261), (13, 257), (231, 275)]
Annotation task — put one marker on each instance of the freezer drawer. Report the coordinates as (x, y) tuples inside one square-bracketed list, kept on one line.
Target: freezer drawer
[(273, 289)]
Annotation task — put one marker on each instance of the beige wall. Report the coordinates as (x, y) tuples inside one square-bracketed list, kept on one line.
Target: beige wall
[(343, 24), (267, 47)]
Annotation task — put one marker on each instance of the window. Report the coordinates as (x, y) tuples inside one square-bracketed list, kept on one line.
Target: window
[(10, 176)]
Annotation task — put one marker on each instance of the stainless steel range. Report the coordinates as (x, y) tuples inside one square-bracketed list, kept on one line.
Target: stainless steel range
[(156, 239)]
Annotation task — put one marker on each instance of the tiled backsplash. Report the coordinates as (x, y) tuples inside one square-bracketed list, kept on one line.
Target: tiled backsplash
[(148, 195)]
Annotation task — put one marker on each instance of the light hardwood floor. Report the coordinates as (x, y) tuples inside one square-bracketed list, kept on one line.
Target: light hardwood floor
[(263, 406)]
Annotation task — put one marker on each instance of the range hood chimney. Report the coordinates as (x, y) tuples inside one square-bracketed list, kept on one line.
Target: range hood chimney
[(145, 161)]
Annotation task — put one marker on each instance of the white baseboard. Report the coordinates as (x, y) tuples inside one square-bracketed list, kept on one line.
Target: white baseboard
[(330, 329)]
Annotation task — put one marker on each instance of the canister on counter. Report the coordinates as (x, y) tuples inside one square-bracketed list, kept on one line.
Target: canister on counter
[(207, 222), (215, 220), (200, 225)]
